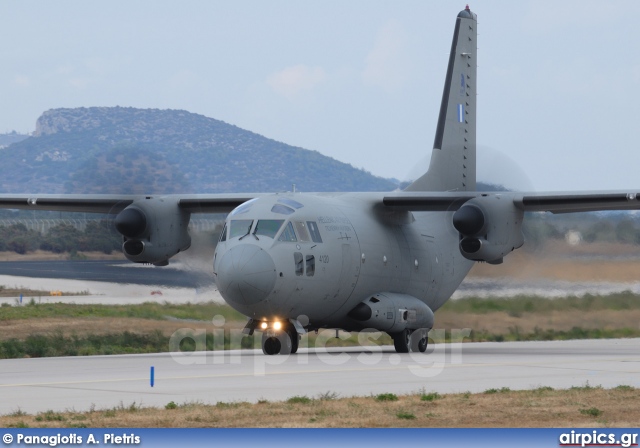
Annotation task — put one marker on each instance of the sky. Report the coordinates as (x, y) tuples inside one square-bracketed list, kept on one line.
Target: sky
[(359, 81)]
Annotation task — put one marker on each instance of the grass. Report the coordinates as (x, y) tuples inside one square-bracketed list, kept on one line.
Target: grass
[(406, 415), (148, 310), (386, 397), (299, 400), (430, 397), (502, 390), (37, 346), (50, 416), (57, 329), (540, 407), (521, 304), (593, 412)]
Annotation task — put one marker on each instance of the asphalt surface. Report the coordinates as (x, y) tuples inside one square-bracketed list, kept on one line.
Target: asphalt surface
[(109, 271), (34, 385)]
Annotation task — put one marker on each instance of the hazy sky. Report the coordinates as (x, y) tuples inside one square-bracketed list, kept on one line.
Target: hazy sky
[(360, 81)]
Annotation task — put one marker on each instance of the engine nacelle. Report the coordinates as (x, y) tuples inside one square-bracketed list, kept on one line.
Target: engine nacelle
[(392, 313), (154, 230), (490, 227)]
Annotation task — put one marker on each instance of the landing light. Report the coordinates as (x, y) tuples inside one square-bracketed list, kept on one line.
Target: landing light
[(264, 325), (277, 325)]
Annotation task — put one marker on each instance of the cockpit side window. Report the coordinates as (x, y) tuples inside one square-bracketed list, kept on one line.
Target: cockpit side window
[(240, 227), (268, 227), (288, 234), (301, 230), (314, 231), (223, 235)]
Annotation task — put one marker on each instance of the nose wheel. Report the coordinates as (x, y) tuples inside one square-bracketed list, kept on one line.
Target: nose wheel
[(282, 342), (409, 339)]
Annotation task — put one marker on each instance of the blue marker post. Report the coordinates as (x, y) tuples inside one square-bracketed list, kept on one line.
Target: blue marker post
[(152, 378), (20, 298)]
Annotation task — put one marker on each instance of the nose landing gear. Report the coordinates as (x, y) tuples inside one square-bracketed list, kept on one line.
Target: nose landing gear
[(284, 341)]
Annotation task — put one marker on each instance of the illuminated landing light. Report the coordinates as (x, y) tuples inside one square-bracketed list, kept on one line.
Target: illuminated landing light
[(264, 325), (277, 325)]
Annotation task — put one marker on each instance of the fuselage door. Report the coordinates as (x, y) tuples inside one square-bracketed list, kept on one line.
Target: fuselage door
[(349, 273)]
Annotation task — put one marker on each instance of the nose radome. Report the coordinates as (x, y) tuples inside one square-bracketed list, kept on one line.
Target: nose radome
[(246, 274)]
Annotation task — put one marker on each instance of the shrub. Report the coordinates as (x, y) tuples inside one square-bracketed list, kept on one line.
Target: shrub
[(387, 397)]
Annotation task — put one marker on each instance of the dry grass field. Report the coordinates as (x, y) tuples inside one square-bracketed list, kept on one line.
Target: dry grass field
[(495, 323), (557, 260), (581, 406)]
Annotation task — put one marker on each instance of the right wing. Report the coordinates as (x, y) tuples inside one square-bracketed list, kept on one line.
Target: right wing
[(197, 203)]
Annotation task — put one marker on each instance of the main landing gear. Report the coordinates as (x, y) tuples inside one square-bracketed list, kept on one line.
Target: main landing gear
[(410, 339), (284, 341)]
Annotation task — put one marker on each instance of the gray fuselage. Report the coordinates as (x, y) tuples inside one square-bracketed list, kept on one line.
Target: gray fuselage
[(344, 248)]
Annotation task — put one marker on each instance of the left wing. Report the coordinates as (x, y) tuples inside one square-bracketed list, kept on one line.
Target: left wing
[(490, 224), (555, 202)]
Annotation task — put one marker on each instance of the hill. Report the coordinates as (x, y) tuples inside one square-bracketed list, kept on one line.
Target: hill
[(11, 137), (128, 150)]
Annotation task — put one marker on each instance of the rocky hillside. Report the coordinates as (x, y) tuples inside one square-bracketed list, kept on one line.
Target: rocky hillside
[(127, 150)]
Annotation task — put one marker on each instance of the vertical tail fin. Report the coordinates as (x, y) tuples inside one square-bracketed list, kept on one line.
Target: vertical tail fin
[(453, 160)]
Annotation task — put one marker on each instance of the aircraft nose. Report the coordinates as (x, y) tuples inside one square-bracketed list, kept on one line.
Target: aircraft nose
[(246, 274)]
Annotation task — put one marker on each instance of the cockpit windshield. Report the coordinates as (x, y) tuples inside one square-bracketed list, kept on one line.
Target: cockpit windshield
[(240, 227), (268, 227)]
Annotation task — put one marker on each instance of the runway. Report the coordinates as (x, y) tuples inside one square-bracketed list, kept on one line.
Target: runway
[(109, 282), (177, 275), (35, 385)]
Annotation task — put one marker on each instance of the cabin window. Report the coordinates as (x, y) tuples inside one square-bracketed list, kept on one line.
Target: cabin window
[(240, 227), (310, 265), (297, 259), (314, 231), (288, 234), (268, 227), (301, 230), (282, 209)]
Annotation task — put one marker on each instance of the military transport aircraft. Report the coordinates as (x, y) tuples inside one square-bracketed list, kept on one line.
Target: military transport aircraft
[(294, 262)]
